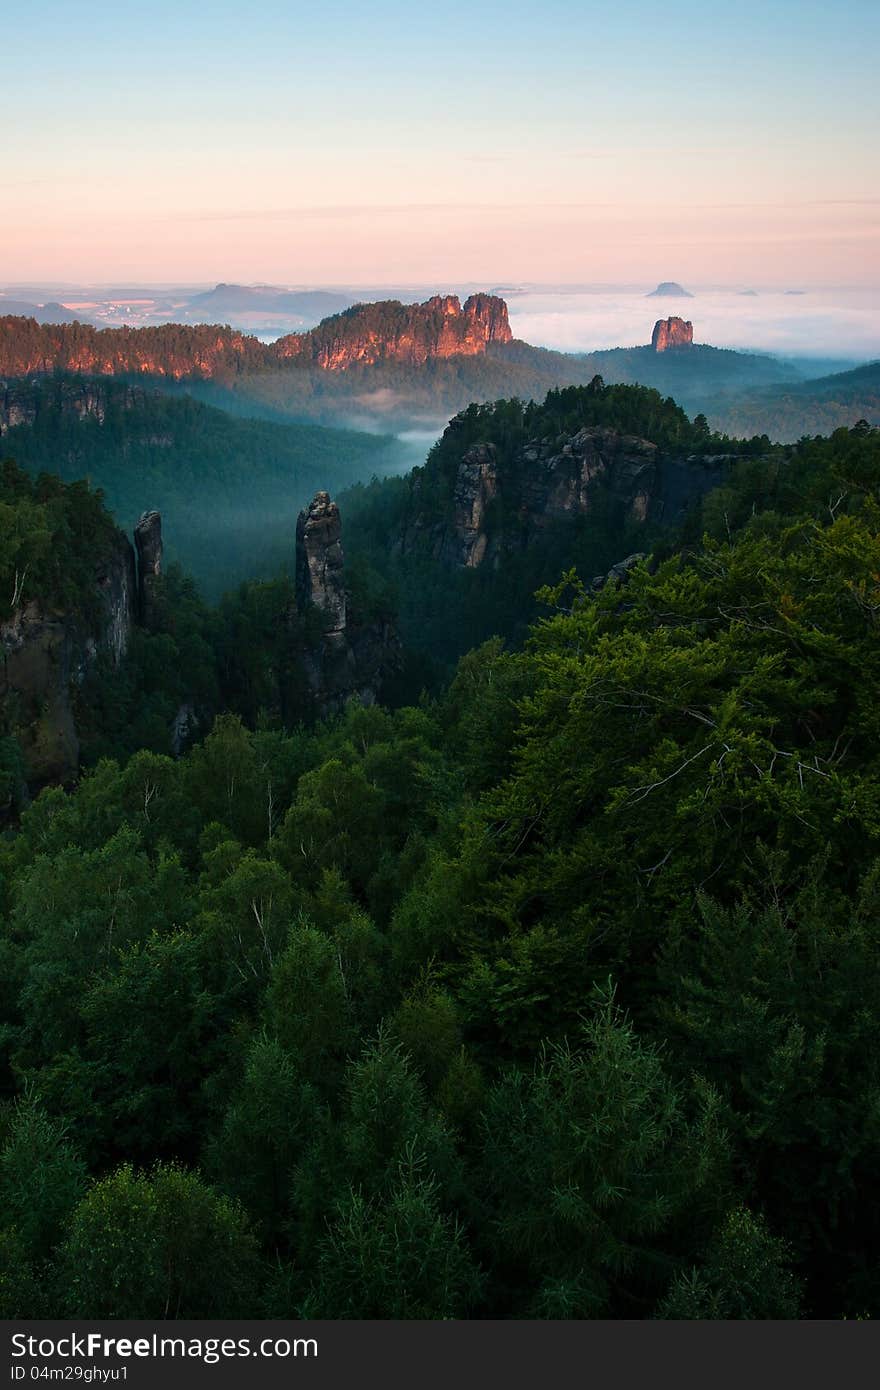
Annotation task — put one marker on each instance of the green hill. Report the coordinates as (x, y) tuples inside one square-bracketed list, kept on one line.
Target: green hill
[(811, 407)]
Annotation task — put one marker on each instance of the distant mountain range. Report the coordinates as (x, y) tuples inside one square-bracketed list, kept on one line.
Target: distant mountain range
[(236, 299), (394, 366), (43, 313)]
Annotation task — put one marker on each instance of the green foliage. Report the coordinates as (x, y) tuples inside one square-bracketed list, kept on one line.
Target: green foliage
[(306, 1002), (600, 1132), (228, 489), (41, 1180), (813, 407), (265, 1129), (398, 1258), (158, 1245), (745, 1275), (51, 535), (361, 972)]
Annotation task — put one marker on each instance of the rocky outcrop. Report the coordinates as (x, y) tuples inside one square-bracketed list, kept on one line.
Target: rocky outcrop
[(619, 574), (148, 540), (320, 563), (413, 333), (672, 333), (476, 486), (22, 402), (351, 656), (441, 327), (46, 655), (558, 482), (496, 511)]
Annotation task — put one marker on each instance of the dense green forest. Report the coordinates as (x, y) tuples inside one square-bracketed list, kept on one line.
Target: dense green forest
[(228, 488), (552, 994), (49, 535), (811, 407)]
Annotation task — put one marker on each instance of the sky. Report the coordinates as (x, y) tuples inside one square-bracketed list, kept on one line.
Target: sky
[(371, 143)]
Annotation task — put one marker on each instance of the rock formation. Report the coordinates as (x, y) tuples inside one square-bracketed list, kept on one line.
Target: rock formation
[(320, 562), (411, 333), (350, 657), (672, 333), (148, 540), (476, 485), (619, 574), (494, 511), (22, 402)]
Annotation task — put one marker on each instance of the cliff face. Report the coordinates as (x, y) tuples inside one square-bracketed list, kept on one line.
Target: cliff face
[(412, 333), (388, 331), (45, 655), (21, 402), (672, 333), (350, 657), (497, 510)]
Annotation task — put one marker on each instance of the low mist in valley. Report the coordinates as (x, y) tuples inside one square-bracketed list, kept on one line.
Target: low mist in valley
[(841, 326)]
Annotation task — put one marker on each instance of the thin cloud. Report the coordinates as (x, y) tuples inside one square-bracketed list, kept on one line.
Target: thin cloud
[(381, 209), (391, 209)]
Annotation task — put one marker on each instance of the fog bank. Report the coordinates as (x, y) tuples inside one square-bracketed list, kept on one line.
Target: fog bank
[(841, 323)]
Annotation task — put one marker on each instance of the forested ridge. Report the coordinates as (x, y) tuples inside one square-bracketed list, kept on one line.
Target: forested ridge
[(387, 383), (811, 407), (442, 613), (228, 488), (554, 993)]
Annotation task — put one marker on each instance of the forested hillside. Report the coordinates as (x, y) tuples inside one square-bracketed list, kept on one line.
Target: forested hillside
[(810, 407), (553, 995), (229, 488), (400, 528)]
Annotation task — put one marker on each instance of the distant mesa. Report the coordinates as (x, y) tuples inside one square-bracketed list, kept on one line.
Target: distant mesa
[(669, 289), (795, 291), (672, 333), (752, 294)]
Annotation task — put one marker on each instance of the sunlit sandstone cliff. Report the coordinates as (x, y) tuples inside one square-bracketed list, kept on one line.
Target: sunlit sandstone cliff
[(672, 333), (387, 331), (441, 327)]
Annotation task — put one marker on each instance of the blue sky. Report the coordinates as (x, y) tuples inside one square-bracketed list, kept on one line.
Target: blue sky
[(453, 141)]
